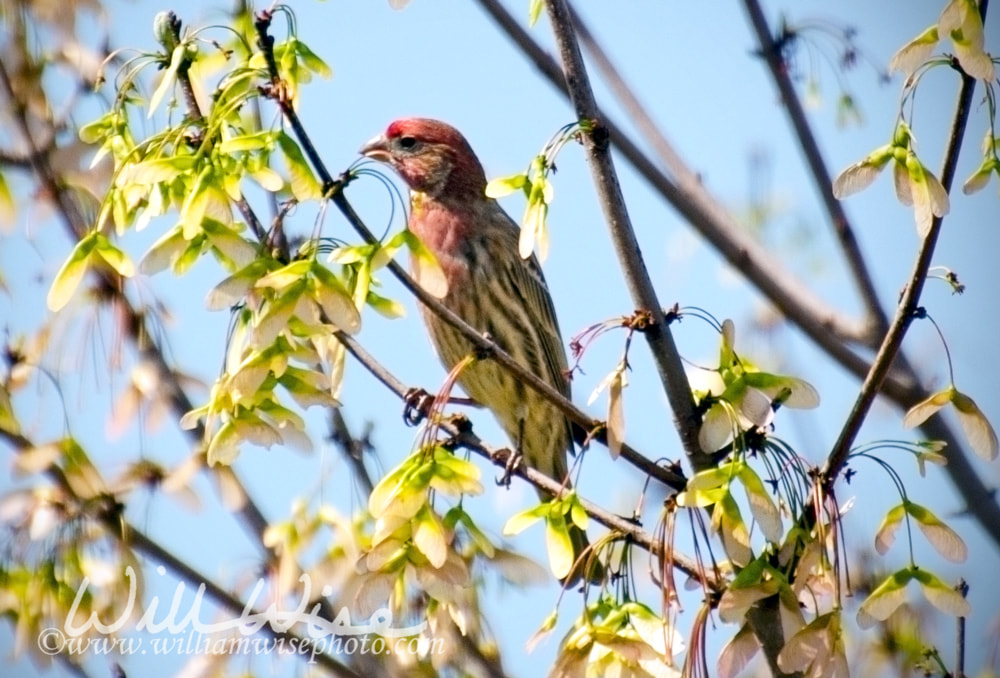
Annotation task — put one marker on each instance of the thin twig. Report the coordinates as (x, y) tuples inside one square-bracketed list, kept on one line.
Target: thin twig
[(333, 189), (670, 476), (658, 334), (963, 588), (823, 323), (911, 294), (823, 326), (464, 436), (353, 449), (821, 176), (110, 287)]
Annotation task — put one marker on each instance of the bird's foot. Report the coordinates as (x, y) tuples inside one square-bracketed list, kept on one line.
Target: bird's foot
[(513, 463), (417, 405)]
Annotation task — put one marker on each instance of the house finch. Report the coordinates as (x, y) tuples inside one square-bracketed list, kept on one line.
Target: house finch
[(489, 286)]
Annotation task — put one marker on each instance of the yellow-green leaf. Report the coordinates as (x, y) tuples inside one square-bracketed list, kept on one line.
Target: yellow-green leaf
[(71, 273), (978, 431), (113, 256), (944, 539), (923, 410), (559, 546), (429, 536), (885, 599), (519, 522), (169, 77), (303, 183), (335, 300), (501, 186)]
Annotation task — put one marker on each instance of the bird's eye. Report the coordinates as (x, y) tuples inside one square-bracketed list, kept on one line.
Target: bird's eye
[(407, 142)]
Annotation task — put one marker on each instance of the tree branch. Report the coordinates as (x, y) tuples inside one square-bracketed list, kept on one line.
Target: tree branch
[(351, 448), (821, 176), (658, 335), (334, 191), (110, 287), (824, 324), (911, 294), (463, 435)]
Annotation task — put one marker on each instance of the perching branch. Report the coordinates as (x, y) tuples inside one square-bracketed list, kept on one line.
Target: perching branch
[(658, 335), (334, 190), (822, 324), (464, 436)]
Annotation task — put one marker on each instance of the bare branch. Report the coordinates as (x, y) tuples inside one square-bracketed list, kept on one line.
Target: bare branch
[(911, 294), (658, 335), (821, 176), (353, 449), (823, 323)]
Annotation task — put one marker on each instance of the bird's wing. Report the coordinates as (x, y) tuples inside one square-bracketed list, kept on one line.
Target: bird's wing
[(524, 279)]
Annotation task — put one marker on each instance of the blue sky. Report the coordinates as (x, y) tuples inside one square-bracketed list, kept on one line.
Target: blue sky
[(691, 64)]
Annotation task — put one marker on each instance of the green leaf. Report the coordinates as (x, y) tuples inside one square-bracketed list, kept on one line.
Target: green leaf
[(457, 515), (797, 393), (334, 299), (233, 250), (313, 63), (224, 446), (389, 308), (308, 387), (429, 536), (276, 314), (69, 276), (303, 183), (501, 186), (454, 476), (940, 595), (177, 57), (113, 256), (247, 142), (944, 539), (884, 599), (860, 175), (519, 522), (559, 545), (287, 275), (914, 53), (157, 170), (167, 249), (885, 536), (763, 508), (426, 269), (977, 428), (534, 11), (578, 514), (923, 410), (7, 210)]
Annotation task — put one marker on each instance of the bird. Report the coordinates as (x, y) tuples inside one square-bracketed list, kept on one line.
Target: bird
[(493, 289)]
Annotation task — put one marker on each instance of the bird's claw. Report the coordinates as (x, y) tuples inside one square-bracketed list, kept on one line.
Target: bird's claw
[(417, 405), (514, 461)]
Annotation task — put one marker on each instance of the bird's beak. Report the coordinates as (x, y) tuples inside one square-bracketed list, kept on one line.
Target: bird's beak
[(376, 149)]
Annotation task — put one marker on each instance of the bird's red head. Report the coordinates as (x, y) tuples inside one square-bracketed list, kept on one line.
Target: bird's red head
[(431, 156)]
